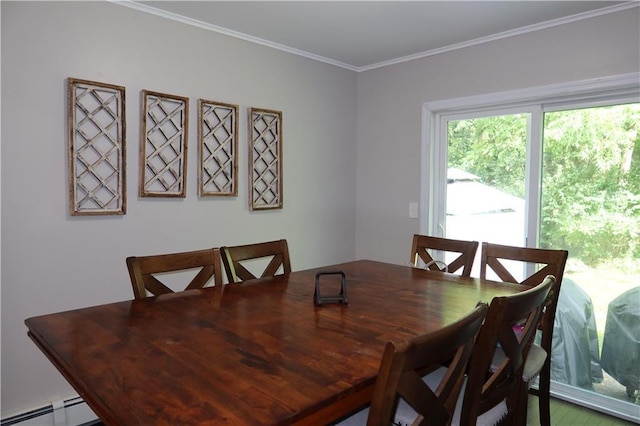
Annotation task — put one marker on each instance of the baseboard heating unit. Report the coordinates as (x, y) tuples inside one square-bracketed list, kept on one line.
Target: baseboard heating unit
[(69, 412)]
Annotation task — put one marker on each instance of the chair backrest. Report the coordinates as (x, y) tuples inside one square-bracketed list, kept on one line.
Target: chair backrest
[(551, 262), (235, 260), (145, 271), (423, 243), (403, 366), (511, 322)]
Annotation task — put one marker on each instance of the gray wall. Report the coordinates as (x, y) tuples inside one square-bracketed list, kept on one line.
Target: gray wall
[(390, 106), (53, 262)]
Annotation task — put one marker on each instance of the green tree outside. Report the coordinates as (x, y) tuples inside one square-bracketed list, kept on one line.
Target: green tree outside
[(590, 179)]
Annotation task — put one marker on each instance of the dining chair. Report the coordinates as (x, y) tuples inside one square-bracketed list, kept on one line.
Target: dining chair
[(237, 260), (494, 391), (466, 251), (403, 365), (200, 266), (503, 261)]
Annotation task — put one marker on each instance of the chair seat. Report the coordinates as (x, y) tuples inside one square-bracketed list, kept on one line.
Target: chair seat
[(405, 415), (532, 366)]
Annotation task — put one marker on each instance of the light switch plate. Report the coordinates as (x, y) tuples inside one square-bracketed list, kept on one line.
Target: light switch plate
[(413, 210)]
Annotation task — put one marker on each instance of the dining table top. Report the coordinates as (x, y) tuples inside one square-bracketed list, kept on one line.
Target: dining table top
[(253, 353)]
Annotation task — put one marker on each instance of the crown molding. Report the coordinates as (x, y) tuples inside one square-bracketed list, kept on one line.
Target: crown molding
[(231, 33), (506, 34), (256, 40)]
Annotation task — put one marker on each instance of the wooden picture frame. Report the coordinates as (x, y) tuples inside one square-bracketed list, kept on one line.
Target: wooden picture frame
[(163, 145), (265, 159), (96, 143), (217, 149)]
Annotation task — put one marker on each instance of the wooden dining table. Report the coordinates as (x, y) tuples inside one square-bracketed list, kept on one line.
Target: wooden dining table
[(255, 353)]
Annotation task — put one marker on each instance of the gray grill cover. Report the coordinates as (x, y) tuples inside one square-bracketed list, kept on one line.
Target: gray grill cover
[(574, 352), (621, 343)]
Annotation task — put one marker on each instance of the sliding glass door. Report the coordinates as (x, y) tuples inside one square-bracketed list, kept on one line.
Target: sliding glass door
[(591, 206), (559, 176)]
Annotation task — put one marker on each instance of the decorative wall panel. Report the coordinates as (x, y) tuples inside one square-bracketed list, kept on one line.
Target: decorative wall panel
[(163, 145), (265, 159), (96, 126), (217, 148)]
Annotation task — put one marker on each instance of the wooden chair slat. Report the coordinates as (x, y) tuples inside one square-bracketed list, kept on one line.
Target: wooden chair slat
[(233, 257), (145, 271), (466, 250)]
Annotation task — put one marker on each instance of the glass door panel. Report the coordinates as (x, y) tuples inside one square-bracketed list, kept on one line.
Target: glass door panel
[(486, 169), (565, 177), (591, 207)]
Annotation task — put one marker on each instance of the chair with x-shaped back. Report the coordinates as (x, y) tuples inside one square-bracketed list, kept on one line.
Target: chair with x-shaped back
[(403, 366), (503, 261), (494, 390), (200, 266), (236, 260), (466, 250), (491, 393)]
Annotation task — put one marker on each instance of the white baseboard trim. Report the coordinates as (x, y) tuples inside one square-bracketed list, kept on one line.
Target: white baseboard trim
[(69, 412)]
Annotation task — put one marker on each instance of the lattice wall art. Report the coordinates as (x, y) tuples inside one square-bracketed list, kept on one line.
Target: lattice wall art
[(265, 159), (96, 126), (163, 145), (217, 148)]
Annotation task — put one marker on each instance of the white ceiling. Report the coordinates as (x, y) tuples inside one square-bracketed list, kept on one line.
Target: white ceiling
[(361, 35)]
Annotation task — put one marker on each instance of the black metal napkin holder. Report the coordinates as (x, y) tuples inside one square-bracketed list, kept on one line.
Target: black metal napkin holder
[(320, 300)]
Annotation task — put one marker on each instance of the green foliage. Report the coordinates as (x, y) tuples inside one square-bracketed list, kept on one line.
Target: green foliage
[(492, 148), (591, 174)]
